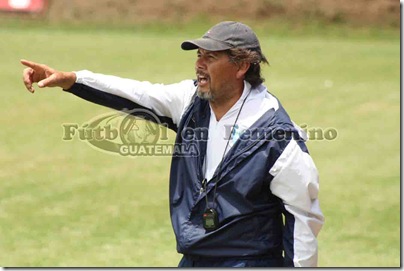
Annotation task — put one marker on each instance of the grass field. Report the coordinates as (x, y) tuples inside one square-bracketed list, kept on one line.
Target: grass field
[(67, 204)]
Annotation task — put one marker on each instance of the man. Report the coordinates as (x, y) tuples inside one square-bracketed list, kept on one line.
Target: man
[(251, 196)]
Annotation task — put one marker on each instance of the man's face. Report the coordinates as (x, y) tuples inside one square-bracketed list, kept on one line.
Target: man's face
[(215, 73)]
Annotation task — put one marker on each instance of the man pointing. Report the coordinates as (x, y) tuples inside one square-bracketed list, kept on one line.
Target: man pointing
[(250, 199)]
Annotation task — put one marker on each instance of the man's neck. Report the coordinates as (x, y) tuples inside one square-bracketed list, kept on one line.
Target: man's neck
[(221, 106)]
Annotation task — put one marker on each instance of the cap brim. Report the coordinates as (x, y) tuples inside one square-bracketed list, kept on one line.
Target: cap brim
[(206, 44)]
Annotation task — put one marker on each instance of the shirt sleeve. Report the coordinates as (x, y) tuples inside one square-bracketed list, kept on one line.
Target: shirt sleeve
[(296, 183), (165, 100)]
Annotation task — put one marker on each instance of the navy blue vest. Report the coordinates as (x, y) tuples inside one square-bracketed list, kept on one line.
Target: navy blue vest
[(250, 216)]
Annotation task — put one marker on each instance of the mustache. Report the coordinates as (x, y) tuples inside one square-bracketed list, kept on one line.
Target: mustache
[(201, 73)]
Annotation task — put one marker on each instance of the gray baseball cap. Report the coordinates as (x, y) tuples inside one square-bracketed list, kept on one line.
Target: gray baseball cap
[(223, 36)]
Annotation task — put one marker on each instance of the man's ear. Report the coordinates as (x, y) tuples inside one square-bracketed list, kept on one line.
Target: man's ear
[(242, 70)]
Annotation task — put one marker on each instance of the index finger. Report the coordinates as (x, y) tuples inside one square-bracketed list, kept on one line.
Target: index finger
[(30, 64)]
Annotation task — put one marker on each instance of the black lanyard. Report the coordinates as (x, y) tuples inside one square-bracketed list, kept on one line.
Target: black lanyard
[(210, 216)]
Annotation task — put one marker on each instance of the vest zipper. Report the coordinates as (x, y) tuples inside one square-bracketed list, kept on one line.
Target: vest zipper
[(203, 186)]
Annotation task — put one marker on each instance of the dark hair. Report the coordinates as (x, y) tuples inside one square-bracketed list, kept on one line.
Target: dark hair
[(253, 56)]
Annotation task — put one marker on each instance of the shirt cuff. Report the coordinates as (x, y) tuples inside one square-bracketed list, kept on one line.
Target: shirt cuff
[(82, 76)]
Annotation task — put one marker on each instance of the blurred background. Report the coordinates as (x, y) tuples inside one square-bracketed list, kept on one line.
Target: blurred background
[(333, 65), (360, 12)]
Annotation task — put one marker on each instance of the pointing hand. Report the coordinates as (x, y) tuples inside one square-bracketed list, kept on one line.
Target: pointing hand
[(46, 76)]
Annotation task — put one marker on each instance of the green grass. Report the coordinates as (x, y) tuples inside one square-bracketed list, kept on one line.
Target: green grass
[(67, 204)]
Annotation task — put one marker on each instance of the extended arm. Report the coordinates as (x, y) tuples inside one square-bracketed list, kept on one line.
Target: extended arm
[(167, 101), (164, 100)]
